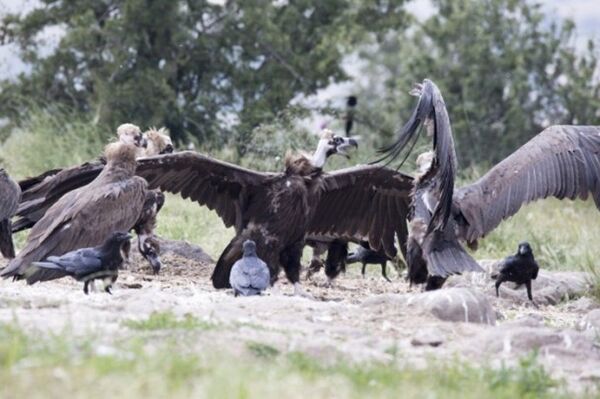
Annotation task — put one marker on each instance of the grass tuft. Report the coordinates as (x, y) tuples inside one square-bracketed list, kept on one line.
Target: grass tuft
[(168, 321)]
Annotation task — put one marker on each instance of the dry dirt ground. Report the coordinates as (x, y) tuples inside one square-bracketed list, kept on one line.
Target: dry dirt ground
[(357, 319)]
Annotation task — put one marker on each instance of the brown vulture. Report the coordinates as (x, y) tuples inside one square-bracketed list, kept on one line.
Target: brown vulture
[(278, 210), (87, 216), (561, 162), (41, 192), (9, 201)]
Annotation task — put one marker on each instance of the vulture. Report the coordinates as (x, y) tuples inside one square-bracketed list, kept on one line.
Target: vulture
[(87, 216), (41, 192), (9, 201), (561, 162), (278, 210)]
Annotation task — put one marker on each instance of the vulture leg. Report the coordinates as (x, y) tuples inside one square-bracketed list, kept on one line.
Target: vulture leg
[(384, 271), (364, 266), (86, 290), (107, 289), (417, 267), (335, 263), (316, 264), (7, 247), (434, 283), (290, 260)]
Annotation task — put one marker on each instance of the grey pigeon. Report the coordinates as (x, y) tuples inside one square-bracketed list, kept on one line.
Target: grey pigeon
[(249, 275), (86, 264)]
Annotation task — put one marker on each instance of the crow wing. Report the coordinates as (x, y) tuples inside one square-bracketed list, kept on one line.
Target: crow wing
[(221, 186), (561, 162), (367, 201)]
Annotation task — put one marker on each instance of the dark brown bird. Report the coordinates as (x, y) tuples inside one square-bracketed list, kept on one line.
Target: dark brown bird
[(561, 162), (9, 201), (278, 210), (85, 217)]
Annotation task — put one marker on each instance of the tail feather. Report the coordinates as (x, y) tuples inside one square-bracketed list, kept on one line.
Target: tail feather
[(233, 252), (450, 258), (6, 242), (43, 271)]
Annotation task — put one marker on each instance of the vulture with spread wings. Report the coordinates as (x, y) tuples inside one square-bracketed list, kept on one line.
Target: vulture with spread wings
[(278, 210), (561, 162)]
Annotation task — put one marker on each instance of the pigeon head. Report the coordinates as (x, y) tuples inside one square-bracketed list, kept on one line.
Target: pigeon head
[(249, 248)]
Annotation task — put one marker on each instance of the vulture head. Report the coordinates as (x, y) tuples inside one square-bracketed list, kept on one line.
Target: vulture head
[(159, 142), (331, 144), (129, 133), (424, 161), (150, 249), (121, 155)]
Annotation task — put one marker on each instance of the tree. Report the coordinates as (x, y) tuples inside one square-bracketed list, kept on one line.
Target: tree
[(199, 68), (504, 71)]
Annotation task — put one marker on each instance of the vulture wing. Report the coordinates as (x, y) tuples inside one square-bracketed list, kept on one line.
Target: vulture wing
[(561, 161), (431, 111), (9, 200), (38, 198), (221, 186), (365, 201), (82, 218)]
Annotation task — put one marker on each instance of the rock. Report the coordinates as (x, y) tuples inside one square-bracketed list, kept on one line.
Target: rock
[(591, 323), (455, 304), (185, 250), (549, 288), (582, 305), (428, 337)]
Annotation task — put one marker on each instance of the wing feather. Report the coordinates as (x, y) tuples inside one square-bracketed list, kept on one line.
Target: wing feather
[(561, 161), (357, 202)]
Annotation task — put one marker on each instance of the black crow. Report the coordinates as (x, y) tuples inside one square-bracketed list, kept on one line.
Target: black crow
[(249, 275), (366, 255), (87, 264), (520, 268)]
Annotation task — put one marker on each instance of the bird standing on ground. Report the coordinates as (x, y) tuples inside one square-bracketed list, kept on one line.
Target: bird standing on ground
[(87, 264), (249, 275), (365, 255), (519, 268), (9, 202), (87, 216)]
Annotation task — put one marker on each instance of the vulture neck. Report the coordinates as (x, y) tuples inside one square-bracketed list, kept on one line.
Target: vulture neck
[(320, 155)]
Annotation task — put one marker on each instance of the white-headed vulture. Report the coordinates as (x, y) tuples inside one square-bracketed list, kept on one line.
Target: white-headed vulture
[(561, 162), (278, 210)]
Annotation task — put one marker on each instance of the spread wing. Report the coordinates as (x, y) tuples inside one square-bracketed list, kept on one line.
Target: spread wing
[(82, 218), (367, 201), (221, 186), (431, 111), (561, 161), (39, 197)]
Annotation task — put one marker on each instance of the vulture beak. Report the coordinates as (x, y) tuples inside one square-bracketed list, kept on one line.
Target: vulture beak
[(168, 149), (154, 261), (347, 143), (144, 142)]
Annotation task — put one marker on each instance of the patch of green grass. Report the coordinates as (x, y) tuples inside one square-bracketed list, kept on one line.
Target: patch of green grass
[(35, 365), (168, 321), (262, 350)]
